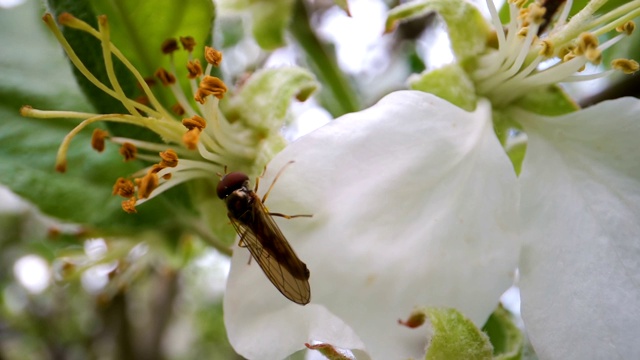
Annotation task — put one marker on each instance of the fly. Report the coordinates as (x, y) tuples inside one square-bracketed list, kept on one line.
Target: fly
[(261, 235)]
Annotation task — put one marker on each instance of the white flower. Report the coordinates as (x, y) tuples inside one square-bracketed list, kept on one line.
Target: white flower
[(415, 202)]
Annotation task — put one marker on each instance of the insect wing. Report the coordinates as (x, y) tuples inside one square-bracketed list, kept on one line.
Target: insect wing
[(287, 273)]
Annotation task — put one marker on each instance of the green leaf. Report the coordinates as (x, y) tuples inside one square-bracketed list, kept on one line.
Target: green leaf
[(455, 337), (28, 146), (505, 336), (468, 31), (270, 20), (138, 29), (449, 82), (344, 5)]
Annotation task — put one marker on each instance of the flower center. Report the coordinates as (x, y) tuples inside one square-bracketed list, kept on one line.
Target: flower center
[(533, 36)]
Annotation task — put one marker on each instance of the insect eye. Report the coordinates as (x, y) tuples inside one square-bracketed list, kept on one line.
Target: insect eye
[(230, 183)]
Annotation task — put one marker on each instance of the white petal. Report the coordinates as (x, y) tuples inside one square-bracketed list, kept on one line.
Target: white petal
[(414, 203), (581, 209)]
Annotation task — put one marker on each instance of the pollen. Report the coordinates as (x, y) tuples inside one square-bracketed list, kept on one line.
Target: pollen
[(585, 42), (194, 122), (178, 109), (129, 205), (194, 68), (625, 65), (546, 49), (210, 85), (188, 43), (124, 187), (169, 158), (165, 77), (97, 139), (169, 46), (128, 151), (627, 27), (536, 13), (147, 184), (213, 56), (191, 138)]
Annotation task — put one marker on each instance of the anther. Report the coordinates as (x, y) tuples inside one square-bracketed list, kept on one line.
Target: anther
[(97, 139), (128, 151), (194, 68), (625, 65), (210, 85), (169, 158), (194, 122), (124, 188), (169, 46), (165, 77), (191, 138), (213, 56), (188, 43), (178, 109), (627, 27), (129, 205), (147, 184)]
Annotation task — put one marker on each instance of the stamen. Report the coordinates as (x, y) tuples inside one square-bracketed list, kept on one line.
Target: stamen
[(165, 77), (188, 43), (213, 56), (124, 188), (627, 27), (194, 68), (130, 205), (128, 151), (178, 109), (191, 138), (147, 184), (625, 65), (169, 46), (194, 122), (97, 139), (210, 85), (169, 158)]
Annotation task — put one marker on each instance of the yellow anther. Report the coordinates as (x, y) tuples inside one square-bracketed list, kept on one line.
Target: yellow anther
[(627, 66), (178, 109), (627, 27), (213, 56), (169, 158), (210, 85), (124, 188), (147, 184), (194, 68), (191, 138), (128, 151), (165, 76), (546, 48), (129, 205), (169, 46), (194, 122), (536, 13), (97, 139), (188, 43)]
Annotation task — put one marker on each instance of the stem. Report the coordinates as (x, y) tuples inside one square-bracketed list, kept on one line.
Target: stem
[(341, 95)]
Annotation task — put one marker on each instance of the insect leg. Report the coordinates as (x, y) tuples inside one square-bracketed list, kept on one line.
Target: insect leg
[(264, 198), (289, 216)]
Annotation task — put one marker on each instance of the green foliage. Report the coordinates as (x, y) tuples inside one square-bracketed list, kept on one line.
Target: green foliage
[(455, 337), (468, 31)]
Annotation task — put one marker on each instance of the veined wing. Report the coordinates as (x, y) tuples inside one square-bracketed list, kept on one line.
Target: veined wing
[(272, 252)]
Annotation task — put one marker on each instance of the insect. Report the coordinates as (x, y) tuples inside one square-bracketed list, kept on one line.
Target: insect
[(260, 234)]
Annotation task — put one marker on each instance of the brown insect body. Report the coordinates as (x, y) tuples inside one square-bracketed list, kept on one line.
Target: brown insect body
[(261, 235)]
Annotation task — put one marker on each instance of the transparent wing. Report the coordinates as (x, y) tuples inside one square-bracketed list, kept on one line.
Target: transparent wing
[(272, 252)]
